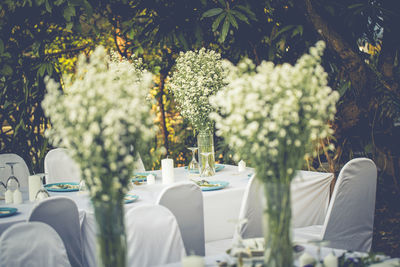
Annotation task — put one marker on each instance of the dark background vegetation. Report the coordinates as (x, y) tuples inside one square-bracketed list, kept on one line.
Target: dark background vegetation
[(41, 38)]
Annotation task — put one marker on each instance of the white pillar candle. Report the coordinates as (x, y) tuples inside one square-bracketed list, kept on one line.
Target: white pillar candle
[(331, 260), (151, 179), (34, 186), (241, 166), (167, 169), (17, 196), (8, 196), (306, 259), (192, 261)]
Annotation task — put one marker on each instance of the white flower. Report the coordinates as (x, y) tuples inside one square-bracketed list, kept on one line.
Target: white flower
[(271, 115), (103, 111)]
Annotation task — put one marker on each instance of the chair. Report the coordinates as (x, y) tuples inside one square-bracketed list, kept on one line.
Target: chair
[(185, 201), (153, 236), (252, 210), (21, 170), (60, 167), (32, 244), (350, 217), (62, 214)]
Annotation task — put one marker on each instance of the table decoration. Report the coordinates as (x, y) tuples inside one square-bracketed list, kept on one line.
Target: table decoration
[(193, 261), (271, 116), (6, 212), (241, 166), (17, 196), (151, 179), (34, 184), (197, 76), (8, 197), (102, 114), (167, 170), (62, 187)]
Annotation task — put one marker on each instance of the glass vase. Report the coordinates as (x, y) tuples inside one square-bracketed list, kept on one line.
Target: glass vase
[(111, 237), (205, 143), (277, 225)]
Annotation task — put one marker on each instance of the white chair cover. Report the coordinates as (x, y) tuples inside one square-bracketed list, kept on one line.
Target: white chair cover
[(350, 216), (163, 246), (62, 214), (32, 244), (60, 167), (21, 170), (185, 201), (252, 210)]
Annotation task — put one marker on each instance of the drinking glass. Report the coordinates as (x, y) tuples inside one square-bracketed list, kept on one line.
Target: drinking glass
[(82, 186), (12, 181), (207, 170), (42, 193), (193, 164)]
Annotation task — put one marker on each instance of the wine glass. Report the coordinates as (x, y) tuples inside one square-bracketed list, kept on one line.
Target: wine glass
[(193, 164), (12, 181), (42, 192), (207, 170)]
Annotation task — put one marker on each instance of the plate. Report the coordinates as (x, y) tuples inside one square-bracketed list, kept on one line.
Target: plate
[(62, 187), (218, 167), (5, 212), (141, 176), (215, 185), (129, 198)]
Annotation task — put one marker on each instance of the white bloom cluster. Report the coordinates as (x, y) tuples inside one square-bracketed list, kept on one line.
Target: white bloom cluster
[(271, 115), (197, 76), (101, 114)]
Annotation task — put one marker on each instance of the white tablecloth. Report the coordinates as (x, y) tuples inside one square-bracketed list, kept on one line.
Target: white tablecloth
[(310, 196)]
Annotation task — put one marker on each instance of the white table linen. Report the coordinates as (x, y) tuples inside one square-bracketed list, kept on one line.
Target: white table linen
[(221, 207)]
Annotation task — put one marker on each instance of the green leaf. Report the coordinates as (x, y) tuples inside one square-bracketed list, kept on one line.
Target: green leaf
[(222, 2), (69, 12), (182, 40), (284, 29), (240, 16), (211, 12), (39, 2), (232, 20), (225, 29), (1, 47), (48, 6), (69, 25), (58, 2), (248, 11), (298, 31), (41, 70), (217, 21), (6, 70)]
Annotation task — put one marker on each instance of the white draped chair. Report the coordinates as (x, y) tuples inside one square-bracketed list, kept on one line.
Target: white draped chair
[(62, 214), (60, 167), (153, 236), (185, 201), (21, 170), (32, 244), (251, 210), (350, 217)]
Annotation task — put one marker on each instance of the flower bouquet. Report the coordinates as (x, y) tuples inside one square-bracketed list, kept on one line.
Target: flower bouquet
[(197, 76), (271, 116), (99, 117)]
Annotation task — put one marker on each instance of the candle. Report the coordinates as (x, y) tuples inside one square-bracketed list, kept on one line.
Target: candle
[(167, 169), (192, 261), (306, 259), (242, 166), (8, 196), (34, 186), (151, 179), (17, 196), (331, 260)]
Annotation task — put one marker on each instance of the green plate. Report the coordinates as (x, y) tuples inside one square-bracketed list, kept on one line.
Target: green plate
[(5, 211), (62, 187)]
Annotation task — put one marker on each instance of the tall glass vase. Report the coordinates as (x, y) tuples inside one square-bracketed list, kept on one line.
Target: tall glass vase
[(205, 143), (277, 225), (111, 237)]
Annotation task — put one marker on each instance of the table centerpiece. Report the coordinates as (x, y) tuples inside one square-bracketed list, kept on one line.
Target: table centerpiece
[(99, 117), (272, 115), (197, 76)]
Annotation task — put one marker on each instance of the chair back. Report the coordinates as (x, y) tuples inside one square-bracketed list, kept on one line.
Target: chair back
[(252, 209), (21, 170), (350, 216), (32, 244), (62, 214), (185, 201), (60, 167), (163, 246)]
